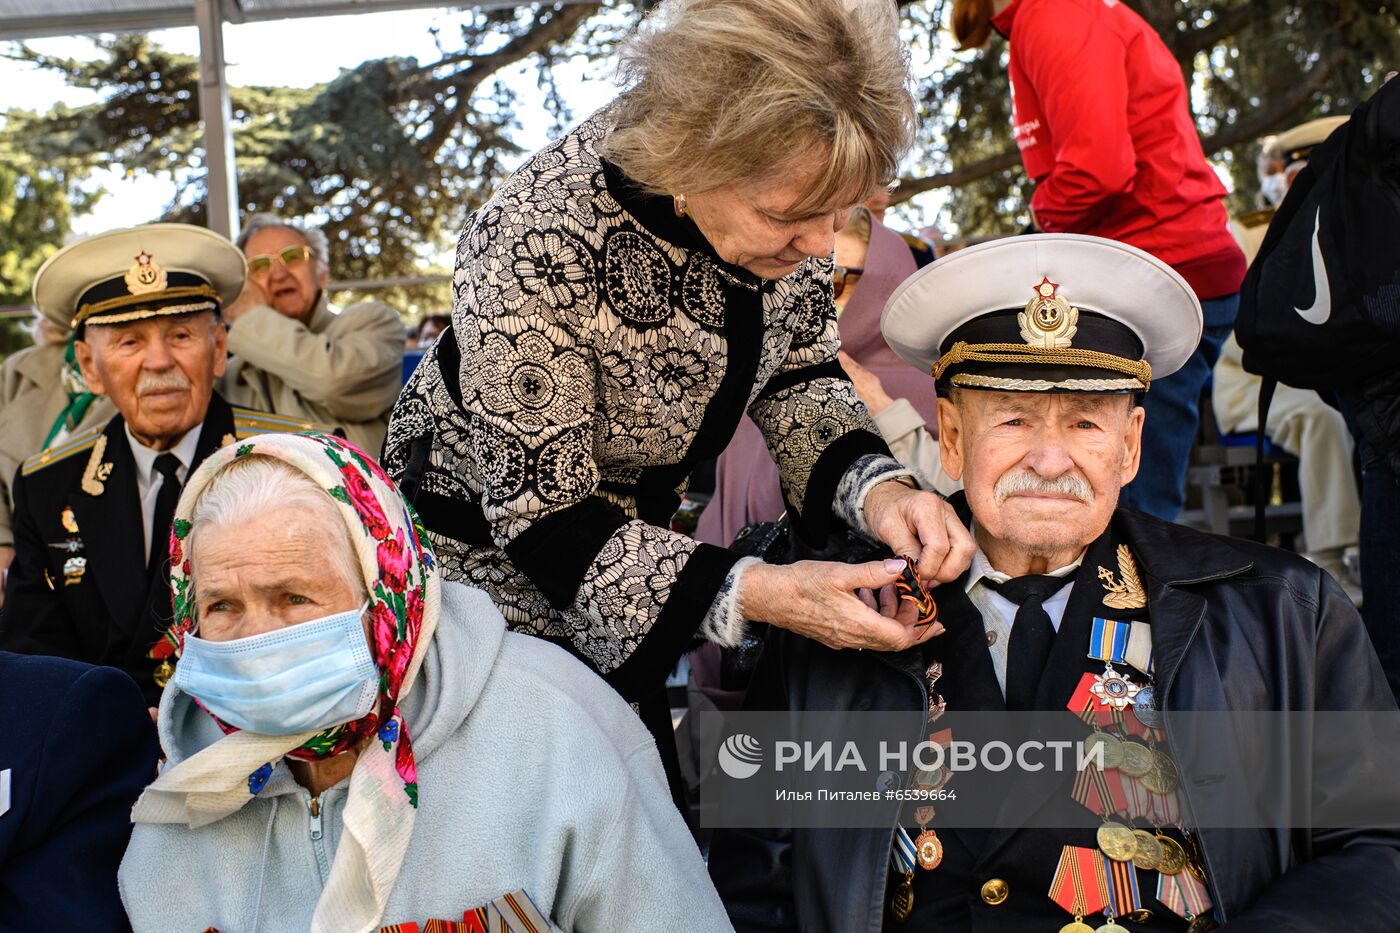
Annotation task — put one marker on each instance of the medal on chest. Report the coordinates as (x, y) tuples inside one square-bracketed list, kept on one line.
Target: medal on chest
[(1129, 781), (75, 564), (926, 850), (1112, 642), (1087, 882)]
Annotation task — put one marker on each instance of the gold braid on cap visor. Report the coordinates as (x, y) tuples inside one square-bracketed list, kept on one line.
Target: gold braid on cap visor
[(962, 352), (170, 294)]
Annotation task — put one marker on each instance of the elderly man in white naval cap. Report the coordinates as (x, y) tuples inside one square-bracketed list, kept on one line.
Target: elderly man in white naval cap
[(1042, 348), (92, 514)]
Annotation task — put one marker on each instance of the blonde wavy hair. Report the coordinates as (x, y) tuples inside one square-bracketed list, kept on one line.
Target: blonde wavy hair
[(725, 91)]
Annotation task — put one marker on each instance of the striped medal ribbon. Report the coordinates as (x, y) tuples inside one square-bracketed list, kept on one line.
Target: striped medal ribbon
[(1116, 641), (1124, 898), (1080, 885), (1183, 895)]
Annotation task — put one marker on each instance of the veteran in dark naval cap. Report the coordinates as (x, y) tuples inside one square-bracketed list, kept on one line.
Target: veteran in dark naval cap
[(1042, 348), (92, 515)]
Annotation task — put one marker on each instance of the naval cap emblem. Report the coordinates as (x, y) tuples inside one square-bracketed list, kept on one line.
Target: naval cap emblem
[(1049, 321), (146, 276)]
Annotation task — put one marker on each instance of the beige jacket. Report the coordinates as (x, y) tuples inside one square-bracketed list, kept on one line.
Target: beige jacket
[(31, 399), (345, 369), (913, 445)]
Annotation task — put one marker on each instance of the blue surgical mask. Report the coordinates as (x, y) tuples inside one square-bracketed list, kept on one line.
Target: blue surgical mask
[(303, 678)]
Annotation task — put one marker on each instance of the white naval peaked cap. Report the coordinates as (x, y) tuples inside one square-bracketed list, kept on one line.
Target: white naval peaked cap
[(1050, 312), (139, 272), (1296, 143)]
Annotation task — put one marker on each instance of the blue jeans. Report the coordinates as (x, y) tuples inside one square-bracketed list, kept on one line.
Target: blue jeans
[(1380, 542), (1172, 418)]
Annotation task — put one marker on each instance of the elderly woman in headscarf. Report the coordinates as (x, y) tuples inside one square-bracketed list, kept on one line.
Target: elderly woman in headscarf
[(622, 301), (353, 743)]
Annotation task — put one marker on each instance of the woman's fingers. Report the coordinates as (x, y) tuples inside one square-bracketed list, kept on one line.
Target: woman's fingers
[(890, 628), (848, 578), (923, 526), (957, 555), (889, 601), (907, 612), (904, 541), (879, 633), (928, 515), (922, 635), (849, 605)]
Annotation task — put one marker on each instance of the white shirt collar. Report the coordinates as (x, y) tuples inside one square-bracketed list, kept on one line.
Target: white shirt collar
[(145, 457), (982, 567)]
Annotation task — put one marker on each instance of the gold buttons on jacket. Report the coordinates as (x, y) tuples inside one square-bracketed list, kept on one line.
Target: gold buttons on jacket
[(995, 891)]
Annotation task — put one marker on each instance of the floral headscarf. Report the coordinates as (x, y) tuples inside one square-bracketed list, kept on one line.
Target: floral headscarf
[(400, 575)]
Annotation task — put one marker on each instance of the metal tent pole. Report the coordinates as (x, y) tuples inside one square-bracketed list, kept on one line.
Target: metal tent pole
[(222, 178)]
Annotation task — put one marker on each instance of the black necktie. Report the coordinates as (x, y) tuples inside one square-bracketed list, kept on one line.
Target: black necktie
[(166, 465), (1032, 635)]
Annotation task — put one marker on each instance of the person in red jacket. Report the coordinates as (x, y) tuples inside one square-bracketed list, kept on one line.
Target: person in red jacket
[(1105, 130)]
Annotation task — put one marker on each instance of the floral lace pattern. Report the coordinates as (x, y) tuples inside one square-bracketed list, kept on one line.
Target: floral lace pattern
[(592, 349)]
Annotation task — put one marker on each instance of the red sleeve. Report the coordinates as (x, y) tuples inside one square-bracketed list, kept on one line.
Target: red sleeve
[(1077, 66)]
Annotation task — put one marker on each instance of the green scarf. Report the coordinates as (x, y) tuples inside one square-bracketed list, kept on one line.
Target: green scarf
[(79, 398)]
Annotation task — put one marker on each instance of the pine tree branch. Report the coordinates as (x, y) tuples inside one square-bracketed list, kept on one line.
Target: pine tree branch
[(956, 178), (458, 88), (1222, 27), (1282, 110)]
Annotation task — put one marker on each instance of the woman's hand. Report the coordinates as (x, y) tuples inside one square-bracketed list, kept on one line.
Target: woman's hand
[(921, 525), (831, 603)]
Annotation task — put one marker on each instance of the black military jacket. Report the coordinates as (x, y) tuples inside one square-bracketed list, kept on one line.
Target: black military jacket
[(1235, 626), (78, 586)]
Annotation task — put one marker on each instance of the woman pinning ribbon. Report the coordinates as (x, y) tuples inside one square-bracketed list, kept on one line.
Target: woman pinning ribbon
[(624, 299)]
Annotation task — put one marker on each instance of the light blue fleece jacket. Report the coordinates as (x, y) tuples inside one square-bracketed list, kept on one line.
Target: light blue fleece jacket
[(532, 774)]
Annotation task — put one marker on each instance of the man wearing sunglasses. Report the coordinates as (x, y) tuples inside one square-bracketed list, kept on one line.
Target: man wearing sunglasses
[(295, 354)]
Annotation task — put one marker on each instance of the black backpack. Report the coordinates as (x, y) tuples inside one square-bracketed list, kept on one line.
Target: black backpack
[(1320, 305)]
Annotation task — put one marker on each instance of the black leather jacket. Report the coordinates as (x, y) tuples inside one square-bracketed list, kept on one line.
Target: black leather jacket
[(1236, 626), (1376, 408)]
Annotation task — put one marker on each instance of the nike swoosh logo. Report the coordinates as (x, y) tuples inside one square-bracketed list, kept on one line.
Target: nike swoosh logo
[(1321, 308)]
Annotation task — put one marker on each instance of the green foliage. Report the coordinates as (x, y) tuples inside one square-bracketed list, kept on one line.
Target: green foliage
[(1255, 66), (391, 156), (1296, 61), (36, 212), (394, 154)]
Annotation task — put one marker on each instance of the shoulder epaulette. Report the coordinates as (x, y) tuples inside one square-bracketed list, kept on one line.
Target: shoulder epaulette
[(78, 443), (248, 422)]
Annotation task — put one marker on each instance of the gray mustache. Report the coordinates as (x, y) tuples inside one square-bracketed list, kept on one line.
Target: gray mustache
[(1069, 484), (160, 382)]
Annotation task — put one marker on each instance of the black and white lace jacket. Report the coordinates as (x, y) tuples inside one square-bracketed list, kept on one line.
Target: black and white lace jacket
[(599, 349)]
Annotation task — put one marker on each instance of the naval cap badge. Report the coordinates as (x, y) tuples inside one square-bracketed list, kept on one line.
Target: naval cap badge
[(1049, 320), (146, 276)]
